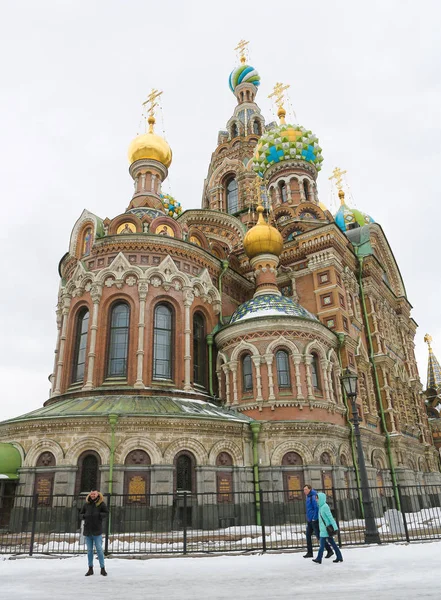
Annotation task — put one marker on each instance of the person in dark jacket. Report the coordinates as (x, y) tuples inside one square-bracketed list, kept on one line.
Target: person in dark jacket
[(94, 512), (312, 523), (325, 519)]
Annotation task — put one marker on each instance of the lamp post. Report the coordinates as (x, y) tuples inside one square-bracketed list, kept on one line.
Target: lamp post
[(349, 380)]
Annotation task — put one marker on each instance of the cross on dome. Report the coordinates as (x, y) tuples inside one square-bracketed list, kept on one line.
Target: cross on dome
[(151, 99), (278, 95), (240, 48)]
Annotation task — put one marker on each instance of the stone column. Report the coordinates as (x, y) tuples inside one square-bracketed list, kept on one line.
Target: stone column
[(66, 299), (57, 346), (227, 384), (188, 301), (143, 182), (308, 362), (95, 293), (256, 361), (297, 359), (152, 186), (269, 361), (233, 369), (142, 294), (324, 365), (302, 191)]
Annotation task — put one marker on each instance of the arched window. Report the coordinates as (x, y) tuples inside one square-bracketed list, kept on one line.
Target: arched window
[(306, 188), (185, 480), (247, 374), (199, 350), (234, 131), (118, 341), (162, 342), (315, 373), (283, 192), (232, 196), (44, 478), (88, 473), (79, 361), (137, 477), (282, 365), (256, 127)]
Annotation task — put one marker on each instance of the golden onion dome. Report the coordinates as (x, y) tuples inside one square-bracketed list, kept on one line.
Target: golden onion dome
[(262, 238), (150, 146)]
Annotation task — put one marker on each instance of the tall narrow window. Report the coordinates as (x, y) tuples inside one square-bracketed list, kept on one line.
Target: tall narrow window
[(162, 342), (282, 364), (306, 188), (234, 131), (118, 341), (247, 374), (283, 192), (199, 350), (79, 361), (88, 474), (256, 127), (232, 196), (315, 372), (184, 473)]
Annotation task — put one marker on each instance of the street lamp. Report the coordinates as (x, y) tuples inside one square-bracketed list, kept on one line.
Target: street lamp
[(349, 380)]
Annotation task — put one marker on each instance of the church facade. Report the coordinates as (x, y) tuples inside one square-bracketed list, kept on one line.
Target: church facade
[(202, 350)]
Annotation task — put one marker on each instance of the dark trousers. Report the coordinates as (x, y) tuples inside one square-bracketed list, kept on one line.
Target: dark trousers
[(312, 527), (324, 542)]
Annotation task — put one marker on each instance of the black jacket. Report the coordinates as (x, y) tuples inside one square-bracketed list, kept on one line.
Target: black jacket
[(93, 514)]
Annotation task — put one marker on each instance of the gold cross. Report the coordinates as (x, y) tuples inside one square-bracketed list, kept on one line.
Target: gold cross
[(279, 88), (241, 49), (151, 100), (428, 340), (337, 174)]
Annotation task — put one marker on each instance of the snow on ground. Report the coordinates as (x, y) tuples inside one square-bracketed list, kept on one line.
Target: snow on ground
[(376, 572)]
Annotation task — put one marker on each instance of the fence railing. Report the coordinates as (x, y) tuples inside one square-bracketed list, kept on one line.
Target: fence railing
[(184, 522)]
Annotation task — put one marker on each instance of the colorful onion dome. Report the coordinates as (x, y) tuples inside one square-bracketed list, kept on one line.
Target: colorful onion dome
[(262, 238), (150, 146), (243, 74), (172, 207), (346, 216), (286, 142), (270, 305)]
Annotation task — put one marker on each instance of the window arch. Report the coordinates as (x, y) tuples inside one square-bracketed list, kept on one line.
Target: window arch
[(247, 374), (256, 127), (234, 131), (232, 191), (315, 374), (79, 360), (137, 477), (88, 477), (283, 192), (185, 472), (282, 365), (118, 340), (162, 342), (199, 350), (44, 478), (293, 480), (306, 189)]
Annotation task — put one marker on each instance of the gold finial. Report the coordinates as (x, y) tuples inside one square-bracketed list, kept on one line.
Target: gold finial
[(279, 88), (428, 340), (337, 174), (240, 48), (151, 99)]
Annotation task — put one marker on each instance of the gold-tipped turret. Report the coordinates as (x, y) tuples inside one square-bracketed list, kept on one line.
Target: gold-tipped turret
[(263, 238)]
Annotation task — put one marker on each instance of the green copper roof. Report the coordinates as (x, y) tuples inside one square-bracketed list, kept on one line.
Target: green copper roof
[(10, 461), (136, 406)]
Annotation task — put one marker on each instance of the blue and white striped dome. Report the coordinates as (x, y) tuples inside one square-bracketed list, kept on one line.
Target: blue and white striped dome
[(243, 74)]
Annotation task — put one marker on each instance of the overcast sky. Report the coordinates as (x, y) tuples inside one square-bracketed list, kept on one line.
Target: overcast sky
[(365, 78)]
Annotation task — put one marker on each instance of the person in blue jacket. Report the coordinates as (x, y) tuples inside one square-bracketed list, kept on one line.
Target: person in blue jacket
[(325, 519), (312, 524)]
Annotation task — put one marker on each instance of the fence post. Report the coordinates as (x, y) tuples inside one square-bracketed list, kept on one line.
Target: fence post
[(336, 517), (406, 531), (106, 538), (184, 523), (34, 524), (262, 520)]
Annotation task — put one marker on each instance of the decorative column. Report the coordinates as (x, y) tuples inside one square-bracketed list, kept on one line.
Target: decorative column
[(324, 366), (233, 369), (142, 181), (302, 191), (142, 294), (66, 299), (95, 293), (188, 301), (227, 384), (297, 360), (57, 346), (256, 362), (269, 361), (308, 362)]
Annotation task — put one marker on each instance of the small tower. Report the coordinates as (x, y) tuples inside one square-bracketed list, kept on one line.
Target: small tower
[(433, 367), (149, 156), (346, 217)]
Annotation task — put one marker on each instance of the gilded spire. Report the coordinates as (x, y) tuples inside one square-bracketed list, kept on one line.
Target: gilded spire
[(278, 95), (151, 99), (433, 367), (240, 48)]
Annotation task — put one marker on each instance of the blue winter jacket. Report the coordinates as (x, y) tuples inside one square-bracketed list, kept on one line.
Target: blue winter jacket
[(312, 509), (325, 515)]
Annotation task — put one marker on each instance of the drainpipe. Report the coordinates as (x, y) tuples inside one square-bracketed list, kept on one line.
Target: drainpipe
[(222, 273), (341, 339), (113, 420), (210, 363), (377, 384), (255, 428)]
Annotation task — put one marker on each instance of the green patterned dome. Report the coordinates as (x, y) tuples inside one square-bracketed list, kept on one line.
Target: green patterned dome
[(172, 207), (286, 142)]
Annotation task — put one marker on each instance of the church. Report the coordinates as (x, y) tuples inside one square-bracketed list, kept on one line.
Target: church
[(201, 350)]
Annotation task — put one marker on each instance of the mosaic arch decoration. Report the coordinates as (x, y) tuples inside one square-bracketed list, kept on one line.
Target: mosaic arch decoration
[(126, 228), (165, 230)]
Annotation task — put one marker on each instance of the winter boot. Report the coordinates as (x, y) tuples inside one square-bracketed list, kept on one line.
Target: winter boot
[(89, 572), (308, 555), (103, 571), (329, 554)]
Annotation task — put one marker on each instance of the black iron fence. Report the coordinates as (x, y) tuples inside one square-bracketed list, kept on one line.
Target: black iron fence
[(194, 523)]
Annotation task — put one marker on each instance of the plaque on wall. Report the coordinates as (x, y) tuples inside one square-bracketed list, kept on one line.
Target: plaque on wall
[(137, 489), (224, 487), (294, 486), (43, 487), (327, 483)]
